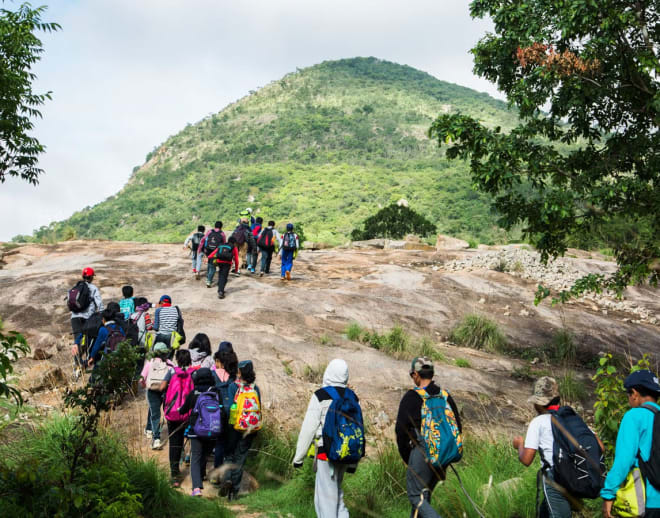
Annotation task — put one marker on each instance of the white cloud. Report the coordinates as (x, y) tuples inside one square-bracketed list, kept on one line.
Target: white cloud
[(127, 74)]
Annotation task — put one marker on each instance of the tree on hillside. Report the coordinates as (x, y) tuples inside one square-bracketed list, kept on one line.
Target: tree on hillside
[(585, 156), (20, 49), (393, 221)]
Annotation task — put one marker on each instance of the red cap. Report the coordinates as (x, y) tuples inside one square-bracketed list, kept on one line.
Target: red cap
[(88, 272)]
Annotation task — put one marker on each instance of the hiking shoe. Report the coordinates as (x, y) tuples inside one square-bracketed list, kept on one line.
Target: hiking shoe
[(288, 275), (221, 295), (156, 445), (208, 284), (196, 492)]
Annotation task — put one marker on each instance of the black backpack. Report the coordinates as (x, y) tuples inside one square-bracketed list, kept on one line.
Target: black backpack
[(289, 241), (213, 241), (179, 326), (196, 240), (576, 455), (224, 253), (266, 239), (92, 325), (240, 234), (651, 468), (79, 297)]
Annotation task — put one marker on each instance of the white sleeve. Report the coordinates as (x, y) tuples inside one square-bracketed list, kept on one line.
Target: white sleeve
[(97, 299), (308, 429), (533, 437)]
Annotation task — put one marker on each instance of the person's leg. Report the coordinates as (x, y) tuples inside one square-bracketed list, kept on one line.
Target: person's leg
[(255, 257), (155, 400), (76, 327), (283, 268), (210, 272), (239, 457), (219, 452), (326, 496), (165, 338), (198, 262), (420, 481), (264, 257), (196, 454), (242, 255), (554, 504), (147, 427), (175, 431), (269, 258), (194, 262), (223, 274), (207, 449), (342, 511)]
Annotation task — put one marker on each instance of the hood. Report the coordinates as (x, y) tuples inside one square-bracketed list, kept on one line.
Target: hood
[(336, 374), (196, 355)]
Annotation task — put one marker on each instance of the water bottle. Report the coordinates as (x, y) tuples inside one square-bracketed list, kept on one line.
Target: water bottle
[(232, 414)]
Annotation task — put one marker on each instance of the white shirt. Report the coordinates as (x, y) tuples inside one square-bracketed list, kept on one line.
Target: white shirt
[(539, 436)]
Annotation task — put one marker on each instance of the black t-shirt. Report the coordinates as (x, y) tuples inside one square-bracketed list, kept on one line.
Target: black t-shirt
[(409, 419)]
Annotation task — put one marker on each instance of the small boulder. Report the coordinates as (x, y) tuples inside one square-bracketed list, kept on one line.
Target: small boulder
[(450, 243), (41, 353), (44, 375)]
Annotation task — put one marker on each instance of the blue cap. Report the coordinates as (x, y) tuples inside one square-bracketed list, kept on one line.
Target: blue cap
[(225, 346), (289, 226), (642, 378), (166, 298)]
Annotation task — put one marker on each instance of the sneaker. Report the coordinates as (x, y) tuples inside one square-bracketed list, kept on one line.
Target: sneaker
[(282, 278), (221, 295), (208, 284), (148, 433), (156, 445), (194, 271), (196, 492), (288, 275), (197, 276)]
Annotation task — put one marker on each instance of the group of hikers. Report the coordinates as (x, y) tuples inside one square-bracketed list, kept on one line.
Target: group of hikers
[(211, 400), (249, 240)]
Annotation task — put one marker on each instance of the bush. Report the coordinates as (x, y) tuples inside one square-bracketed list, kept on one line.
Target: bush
[(479, 332), (563, 347), (353, 331), (395, 222), (571, 389), (314, 373), (462, 362)]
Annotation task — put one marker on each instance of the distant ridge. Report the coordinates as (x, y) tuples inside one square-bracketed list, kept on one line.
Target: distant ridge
[(325, 146)]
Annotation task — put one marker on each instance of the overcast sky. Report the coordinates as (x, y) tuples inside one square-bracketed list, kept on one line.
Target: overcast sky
[(126, 74)]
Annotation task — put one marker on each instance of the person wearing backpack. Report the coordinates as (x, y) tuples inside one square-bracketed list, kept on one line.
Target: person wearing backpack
[(245, 419), (176, 386), (636, 443), (153, 374), (223, 257), (553, 445), (322, 407), (127, 304), (193, 241), (167, 320), (426, 406), (142, 321), (289, 246), (267, 241), (211, 240), (224, 374), (83, 300), (204, 426), (110, 335), (245, 242), (253, 254), (200, 351)]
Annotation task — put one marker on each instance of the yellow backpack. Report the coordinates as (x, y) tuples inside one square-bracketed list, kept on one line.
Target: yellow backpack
[(630, 501), (247, 416)]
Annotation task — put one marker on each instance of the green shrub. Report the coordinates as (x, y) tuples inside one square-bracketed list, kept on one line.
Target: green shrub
[(353, 331), (462, 362), (314, 373), (393, 221), (479, 332), (563, 347), (571, 389)]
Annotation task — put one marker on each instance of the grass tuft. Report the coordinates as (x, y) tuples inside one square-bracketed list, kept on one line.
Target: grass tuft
[(479, 332)]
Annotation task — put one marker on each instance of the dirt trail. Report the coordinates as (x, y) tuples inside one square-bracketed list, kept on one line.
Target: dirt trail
[(285, 326)]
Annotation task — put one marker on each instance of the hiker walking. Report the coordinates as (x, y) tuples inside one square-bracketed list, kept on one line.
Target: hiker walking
[(127, 303), (289, 247), (222, 257), (559, 482), (225, 372), (208, 244), (254, 253), (636, 444), (83, 300), (245, 242), (267, 241), (424, 469), (193, 241), (200, 351), (204, 427), (329, 405), (245, 419), (176, 386), (152, 377), (167, 320)]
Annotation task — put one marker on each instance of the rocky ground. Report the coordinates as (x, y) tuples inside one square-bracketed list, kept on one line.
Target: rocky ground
[(290, 328)]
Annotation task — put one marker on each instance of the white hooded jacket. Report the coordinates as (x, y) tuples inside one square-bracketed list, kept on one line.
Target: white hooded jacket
[(335, 375)]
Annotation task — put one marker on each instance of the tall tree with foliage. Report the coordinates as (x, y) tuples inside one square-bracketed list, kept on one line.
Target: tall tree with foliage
[(20, 49), (393, 221), (585, 79)]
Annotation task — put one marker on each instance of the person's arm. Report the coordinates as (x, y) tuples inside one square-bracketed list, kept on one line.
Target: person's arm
[(166, 380), (98, 302), (188, 239), (200, 248), (145, 373), (234, 252), (189, 403), (307, 430), (100, 340), (156, 319), (404, 428), (528, 447), (627, 446), (525, 455)]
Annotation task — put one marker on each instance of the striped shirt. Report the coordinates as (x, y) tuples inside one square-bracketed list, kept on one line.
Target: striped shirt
[(166, 319)]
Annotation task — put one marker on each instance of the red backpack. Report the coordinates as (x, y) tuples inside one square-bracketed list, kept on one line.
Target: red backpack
[(178, 389)]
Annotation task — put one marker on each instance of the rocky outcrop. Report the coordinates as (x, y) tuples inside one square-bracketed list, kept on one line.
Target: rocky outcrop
[(450, 243), (44, 375)]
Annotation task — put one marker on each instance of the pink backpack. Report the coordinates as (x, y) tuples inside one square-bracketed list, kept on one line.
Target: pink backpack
[(178, 389)]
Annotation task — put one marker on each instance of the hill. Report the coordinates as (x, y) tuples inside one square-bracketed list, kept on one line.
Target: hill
[(325, 146)]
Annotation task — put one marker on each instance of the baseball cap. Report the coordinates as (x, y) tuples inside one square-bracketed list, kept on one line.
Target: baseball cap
[(421, 362), (545, 390), (165, 298), (642, 378), (160, 347), (289, 226)]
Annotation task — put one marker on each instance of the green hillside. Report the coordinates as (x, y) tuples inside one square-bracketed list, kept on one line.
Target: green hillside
[(325, 146)]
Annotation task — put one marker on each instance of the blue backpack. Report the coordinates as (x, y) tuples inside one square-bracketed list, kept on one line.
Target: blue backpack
[(439, 432), (207, 416), (343, 430)]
